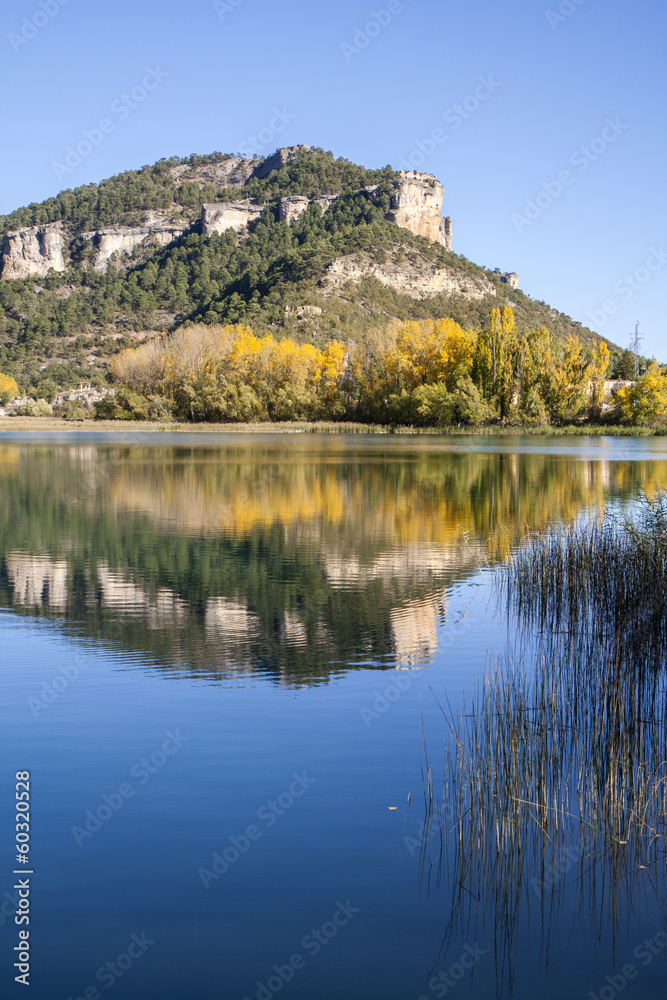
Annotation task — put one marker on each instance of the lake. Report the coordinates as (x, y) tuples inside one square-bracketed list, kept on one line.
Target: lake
[(221, 656)]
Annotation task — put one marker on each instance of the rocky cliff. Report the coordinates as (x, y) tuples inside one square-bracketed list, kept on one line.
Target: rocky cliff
[(416, 206), (381, 251), (236, 215), (33, 252), (123, 241), (419, 279)]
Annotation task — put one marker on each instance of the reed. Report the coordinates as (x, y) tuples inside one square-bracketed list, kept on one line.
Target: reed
[(602, 585), (556, 771)]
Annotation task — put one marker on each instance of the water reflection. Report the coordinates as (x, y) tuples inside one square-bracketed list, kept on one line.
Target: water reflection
[(293, 559)]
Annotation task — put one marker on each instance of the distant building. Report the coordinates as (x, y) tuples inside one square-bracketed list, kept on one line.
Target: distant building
[(84, 393)]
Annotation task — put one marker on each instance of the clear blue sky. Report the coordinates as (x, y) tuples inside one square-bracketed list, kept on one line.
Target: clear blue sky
[(553, 82)]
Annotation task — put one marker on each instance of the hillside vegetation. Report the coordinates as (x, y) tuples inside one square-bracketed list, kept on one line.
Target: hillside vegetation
[(57, 330)]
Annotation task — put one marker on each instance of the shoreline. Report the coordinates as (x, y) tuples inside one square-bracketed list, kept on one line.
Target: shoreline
[(54, 425)]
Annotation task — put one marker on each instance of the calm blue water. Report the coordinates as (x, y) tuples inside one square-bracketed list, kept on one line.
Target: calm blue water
[(201, 645)]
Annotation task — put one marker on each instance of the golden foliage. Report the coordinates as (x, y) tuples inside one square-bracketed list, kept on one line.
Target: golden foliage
[(227, 373), (429, 372), (428, 351), (8, 386), (647, 398)]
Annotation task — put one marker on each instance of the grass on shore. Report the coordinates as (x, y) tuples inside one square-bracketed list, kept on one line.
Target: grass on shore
[(52, 424)]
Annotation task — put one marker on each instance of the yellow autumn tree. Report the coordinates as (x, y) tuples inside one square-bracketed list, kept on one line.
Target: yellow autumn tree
[(423, 372), (568, 391), (645, 399), (386, 372), (534, 364), (329, 372), (8, 387), (495, 362), (227, 373), (598, 366), (430, 351)]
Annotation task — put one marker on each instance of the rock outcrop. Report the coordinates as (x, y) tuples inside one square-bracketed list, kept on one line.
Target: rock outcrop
[(230, 171), (511, 278), (419, 280), (417, 206), (446, 232), (236, 215), (33, 252), (291, 208), (281, 158), (124, 241)]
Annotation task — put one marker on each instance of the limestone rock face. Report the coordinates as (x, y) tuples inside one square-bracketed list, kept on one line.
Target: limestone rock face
[(236, 215), (281, 158), (33, 252), (291, 208), (446, 232), (123, 240), (301, 313), (511, 279), (419, 280), (417, 204), (232, 171), (325, 201)]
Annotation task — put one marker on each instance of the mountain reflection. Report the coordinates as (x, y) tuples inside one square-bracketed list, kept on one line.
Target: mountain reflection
[(294, 559)]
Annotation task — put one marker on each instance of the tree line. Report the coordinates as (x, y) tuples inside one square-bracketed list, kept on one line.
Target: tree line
[(418, 373)]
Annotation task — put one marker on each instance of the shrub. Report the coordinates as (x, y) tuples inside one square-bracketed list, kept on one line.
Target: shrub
[(36, 408), (77, 411), (129, 405)]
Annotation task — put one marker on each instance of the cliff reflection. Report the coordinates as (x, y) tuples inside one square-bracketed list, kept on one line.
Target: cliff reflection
[(289, 560)]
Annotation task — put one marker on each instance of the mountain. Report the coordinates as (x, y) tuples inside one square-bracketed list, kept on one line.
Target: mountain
[(299, 243)]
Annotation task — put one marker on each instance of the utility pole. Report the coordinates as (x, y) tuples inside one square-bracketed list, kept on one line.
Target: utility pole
[(635, 344)]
